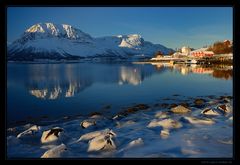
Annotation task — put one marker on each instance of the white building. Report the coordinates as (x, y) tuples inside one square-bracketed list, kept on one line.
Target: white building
[(185, 50)]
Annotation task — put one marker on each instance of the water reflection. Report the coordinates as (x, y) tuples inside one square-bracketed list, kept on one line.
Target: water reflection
[(130, 75), (55, 81), (216, 71)]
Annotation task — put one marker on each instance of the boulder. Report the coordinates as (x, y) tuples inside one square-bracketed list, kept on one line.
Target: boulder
[(102, 142), (55, 152), (194, 120), (94, 134), (135, 143), (33, 130), (51, 135), (180, 109), (199, 102), (166, 124), (162, 115), (164, 133), (225, 108), (87, 123), (209, 111)]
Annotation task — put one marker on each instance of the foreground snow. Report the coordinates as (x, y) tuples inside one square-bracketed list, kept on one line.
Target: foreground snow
[(139, 131)]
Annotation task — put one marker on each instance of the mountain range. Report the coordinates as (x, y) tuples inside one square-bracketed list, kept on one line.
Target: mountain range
[(61, 41)]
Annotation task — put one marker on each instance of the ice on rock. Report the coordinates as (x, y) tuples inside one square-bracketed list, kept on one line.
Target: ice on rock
[(135, 143), (180, 109), (209, 112), (102, 142), (161, 115), (125, 124), (194, 120), (87, 123), (166, 123), (225, 108), (164, 133), (91, 135), (30, 132), (51, 135), (55, 152)]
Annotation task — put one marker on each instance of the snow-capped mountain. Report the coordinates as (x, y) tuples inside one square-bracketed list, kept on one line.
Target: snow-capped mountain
[(54, 41)]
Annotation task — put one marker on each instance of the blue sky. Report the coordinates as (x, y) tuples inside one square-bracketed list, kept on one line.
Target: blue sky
[(173, 27)]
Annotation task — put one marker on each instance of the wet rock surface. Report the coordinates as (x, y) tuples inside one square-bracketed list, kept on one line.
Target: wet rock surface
[(199, 127)]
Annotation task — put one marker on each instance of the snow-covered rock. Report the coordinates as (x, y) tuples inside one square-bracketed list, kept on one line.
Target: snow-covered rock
[(225, 108), (194, 120), (94, 134), (61, 41), (135, 143), (32, 131), (164, 133), (51, 135), (209, 112), (180, 109), (162, 115), (125, 123), (87, 123), (166, 123), (102, 142), (55, 152)]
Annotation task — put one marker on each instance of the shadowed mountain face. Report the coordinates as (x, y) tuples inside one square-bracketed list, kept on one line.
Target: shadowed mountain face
[(61, 41)]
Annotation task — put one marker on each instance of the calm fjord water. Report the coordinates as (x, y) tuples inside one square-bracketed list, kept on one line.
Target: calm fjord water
[(57, 90)]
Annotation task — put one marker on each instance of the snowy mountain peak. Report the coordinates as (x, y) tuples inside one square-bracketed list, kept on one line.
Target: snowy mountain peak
[(58, 41), (35, 28), (131, 41), (46, 30)]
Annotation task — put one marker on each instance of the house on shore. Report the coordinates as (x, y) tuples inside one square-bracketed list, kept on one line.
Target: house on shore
[(183, 52), (202, 53)]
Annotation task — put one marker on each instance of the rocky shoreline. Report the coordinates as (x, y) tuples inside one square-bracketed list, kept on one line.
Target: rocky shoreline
[(173, 127)]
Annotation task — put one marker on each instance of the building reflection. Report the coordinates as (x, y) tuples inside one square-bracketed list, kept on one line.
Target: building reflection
[(218, 71)]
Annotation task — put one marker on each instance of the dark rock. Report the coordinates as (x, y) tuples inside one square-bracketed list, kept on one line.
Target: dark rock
[(95, 113), (156, 105), (209, 111), (44, 116), (166, 99), (223, 108), (107, 107), (199, 102), (211, 96), (176, 95), (54, 131), (134, 109), (173, 105), (186, 105), (164, 105), (225, 97), (141, 106)]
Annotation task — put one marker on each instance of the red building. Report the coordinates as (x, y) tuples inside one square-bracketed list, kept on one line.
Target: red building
[(202, 53)]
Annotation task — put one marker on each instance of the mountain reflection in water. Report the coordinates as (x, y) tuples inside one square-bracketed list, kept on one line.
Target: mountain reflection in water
[(53, 81)]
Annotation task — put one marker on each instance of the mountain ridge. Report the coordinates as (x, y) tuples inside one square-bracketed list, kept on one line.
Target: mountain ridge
[(62, 41)]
